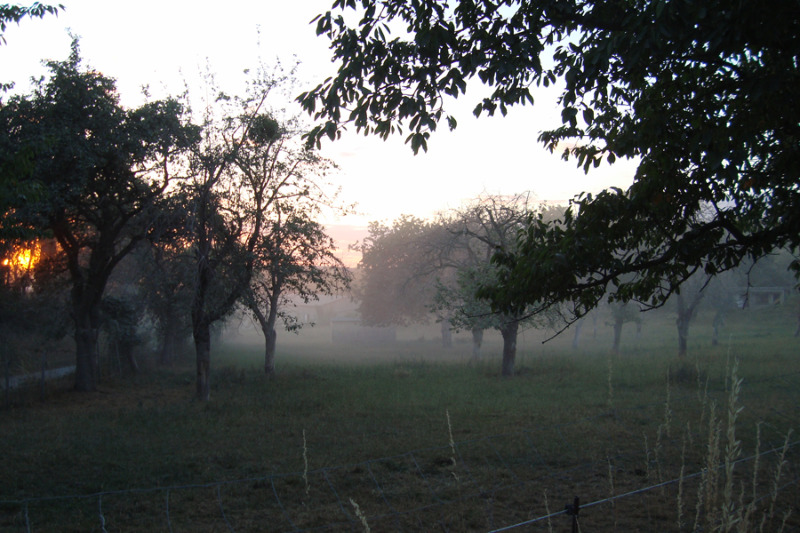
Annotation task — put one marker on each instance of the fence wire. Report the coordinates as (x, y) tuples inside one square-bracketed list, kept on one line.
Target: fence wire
[(439, 489), (495, 483)]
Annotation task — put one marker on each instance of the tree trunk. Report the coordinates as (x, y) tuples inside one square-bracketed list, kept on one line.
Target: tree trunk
[(686, 314), (719, 321), (617, 335), (85, 360), (447, 335), (576, 337), (477, 342), (267, 323), (202, 347), (167, 356), (85, 357), (683, 334), (270, 341), (509, 331)]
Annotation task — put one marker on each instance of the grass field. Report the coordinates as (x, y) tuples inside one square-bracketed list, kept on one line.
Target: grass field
[(412, 437)]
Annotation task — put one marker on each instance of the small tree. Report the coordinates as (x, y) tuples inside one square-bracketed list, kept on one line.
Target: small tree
[(622, 313), (475, 232), (295, 260), (457, 301)]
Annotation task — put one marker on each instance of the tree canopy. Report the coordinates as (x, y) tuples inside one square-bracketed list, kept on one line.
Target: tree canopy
[(398, 270), (99, 170), (701, 94)]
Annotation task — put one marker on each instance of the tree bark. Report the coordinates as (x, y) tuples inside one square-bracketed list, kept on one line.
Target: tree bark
[(509, 332), (87, 325), (129, 355), (270, 342), (170, 338), (477, 342), (267, 323), (167, 354)]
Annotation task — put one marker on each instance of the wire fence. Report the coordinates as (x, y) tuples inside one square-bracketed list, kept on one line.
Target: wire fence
[(533, 479), (582, 475), (451, 501)]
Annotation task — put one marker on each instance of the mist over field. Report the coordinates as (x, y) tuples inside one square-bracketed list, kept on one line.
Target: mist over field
[(398, 266)]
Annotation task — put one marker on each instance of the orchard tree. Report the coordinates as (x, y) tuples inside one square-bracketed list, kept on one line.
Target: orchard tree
[(15, 181), (622, 313), (249, 167), (294, 256), (100, 169), (295, 259), (688, 300), (458, 302), (701, 94), (476, 231), (397, 277), (165, 270)]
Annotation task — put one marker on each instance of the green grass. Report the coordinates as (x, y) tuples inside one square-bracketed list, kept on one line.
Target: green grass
[(376, 430)]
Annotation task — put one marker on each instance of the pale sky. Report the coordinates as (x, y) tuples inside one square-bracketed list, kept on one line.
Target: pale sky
[(162, 43)]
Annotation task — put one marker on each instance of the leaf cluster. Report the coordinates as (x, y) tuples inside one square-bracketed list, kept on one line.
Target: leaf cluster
[(700, 94)]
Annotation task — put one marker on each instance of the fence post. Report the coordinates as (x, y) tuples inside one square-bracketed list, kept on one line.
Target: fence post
[(573, 511)]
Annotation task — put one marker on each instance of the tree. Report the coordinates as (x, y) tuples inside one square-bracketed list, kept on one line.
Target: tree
[(15, 182), (622, 312), (166, 276), (247, 172), (700, 93), (475, 231), (457, 301), (294, 256), (295, 260), (101, 168), (397, 276), (688, 300), (224, 230)]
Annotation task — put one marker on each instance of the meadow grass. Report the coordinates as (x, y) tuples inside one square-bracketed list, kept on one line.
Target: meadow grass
[(419, 436)]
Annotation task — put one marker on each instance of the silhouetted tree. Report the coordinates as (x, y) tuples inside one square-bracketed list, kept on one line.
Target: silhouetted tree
[(100, 168), (295, 261), (701, 94)]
